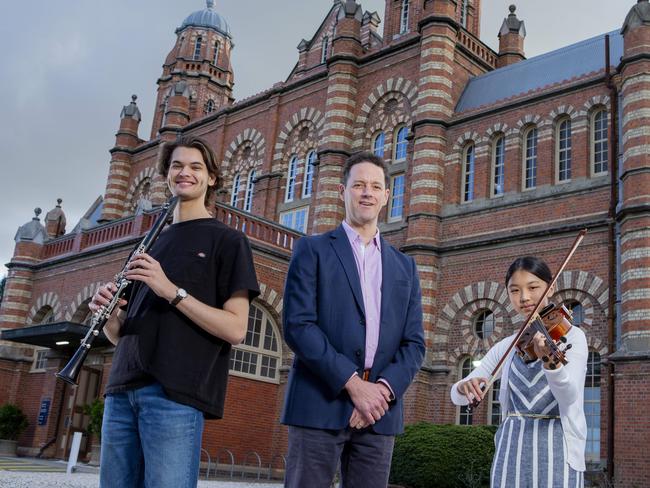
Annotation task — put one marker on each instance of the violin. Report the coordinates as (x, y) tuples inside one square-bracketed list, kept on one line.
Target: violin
[(555, 316), (553, 323)]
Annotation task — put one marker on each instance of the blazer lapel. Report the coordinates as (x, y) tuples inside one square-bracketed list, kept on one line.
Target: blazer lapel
[(341, 246)]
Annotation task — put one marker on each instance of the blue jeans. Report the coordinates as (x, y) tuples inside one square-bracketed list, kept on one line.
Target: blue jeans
[(149, 441)]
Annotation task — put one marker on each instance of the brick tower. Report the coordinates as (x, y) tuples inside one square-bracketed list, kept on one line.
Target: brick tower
[(632, 363), (198, 68)]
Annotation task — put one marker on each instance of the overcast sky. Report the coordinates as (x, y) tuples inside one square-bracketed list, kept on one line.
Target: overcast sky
[(68, 67)]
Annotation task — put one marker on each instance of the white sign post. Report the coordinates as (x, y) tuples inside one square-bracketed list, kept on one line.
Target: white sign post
[(74, 452)]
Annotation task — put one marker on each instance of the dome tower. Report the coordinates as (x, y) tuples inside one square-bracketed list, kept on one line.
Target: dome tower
[(200, 59)]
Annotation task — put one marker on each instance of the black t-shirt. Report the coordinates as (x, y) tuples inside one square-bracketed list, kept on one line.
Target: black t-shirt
[(158, 343)]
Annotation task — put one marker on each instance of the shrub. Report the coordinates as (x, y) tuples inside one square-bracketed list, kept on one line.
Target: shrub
[(444, 456), (12, 422), (96, 412)]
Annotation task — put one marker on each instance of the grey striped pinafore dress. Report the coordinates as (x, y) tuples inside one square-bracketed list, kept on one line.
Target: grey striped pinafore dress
[(530, 450)]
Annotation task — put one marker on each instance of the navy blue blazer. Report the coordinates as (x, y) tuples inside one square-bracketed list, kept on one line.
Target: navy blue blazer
[(324, 325)]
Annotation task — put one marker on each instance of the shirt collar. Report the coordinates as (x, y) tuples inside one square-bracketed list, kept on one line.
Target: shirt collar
[(353, 236)]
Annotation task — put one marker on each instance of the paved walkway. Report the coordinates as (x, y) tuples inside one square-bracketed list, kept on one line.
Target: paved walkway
[(43, 473)]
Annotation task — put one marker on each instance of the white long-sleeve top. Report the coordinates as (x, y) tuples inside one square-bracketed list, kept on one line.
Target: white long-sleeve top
[(566, 383)]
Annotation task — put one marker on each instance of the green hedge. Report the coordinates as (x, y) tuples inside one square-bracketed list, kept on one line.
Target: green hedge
[(443, 456)]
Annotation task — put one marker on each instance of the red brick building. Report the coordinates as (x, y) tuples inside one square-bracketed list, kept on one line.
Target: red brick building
[(492, 156)]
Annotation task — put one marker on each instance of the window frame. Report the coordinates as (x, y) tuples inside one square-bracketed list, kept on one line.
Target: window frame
[(404, 17), (217, 49), (324, 49), (39, 361), (292, 174), (563, 155), (380, 134), (308, 178), (392, 197), (198, 46), (236, 187), (464, 368), (593, 380), (464, 10), (498, 162), (482, 316), (266, 321), (533, 157), (400, 145), (293, 214), (250, 188), (594, 142), (467, 179)]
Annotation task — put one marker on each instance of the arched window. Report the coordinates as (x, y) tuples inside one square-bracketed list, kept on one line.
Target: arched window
[(468, 173), (250, 188), (530, 158), (465, 368), (291, 179), (324, 49), (484, 324), (600, 145), (45, 315), (577, 312), (378, 144), (259, 356), (463, 13), (234, 196), (404, 17), (217, 48), (400, 143), (209, 106), (308, 182), (83, 314), (197, 48), (396, 204), (592, 407), (498, 166), (563, 150)]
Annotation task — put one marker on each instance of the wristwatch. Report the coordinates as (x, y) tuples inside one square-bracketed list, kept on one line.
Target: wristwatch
[(180, 294)]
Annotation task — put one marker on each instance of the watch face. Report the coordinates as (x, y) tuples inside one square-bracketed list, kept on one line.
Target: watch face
[(181, 293)]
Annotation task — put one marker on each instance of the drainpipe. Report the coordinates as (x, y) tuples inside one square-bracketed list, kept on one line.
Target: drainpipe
[(613, 321)]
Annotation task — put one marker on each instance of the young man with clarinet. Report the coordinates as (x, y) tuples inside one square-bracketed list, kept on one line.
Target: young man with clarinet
[(187, 304)]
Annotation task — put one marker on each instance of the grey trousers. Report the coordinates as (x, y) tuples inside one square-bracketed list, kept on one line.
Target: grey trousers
[(314, 456)]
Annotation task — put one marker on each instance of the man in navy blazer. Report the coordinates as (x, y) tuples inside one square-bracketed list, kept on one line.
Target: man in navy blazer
[(353, 318)]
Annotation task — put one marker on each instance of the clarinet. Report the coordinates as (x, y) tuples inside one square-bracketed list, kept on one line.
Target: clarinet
[(71, 371)]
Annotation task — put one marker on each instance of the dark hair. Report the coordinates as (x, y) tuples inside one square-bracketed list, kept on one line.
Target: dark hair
[(209, 158), (365, 157), (531, 264)]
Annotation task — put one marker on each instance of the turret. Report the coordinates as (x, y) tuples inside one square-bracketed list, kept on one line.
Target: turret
[(511, 39)]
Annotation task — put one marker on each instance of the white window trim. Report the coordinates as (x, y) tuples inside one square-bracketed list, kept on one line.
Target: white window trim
[(374, 143), (391, 197), (493, 173), (310, 159), (395, 143), (292, 177), (217, 48), (525, 158), (593, 141), (404, 17), (37, 351), (198, 42), (250, 188), (267, 321), (293, 212), (558, 132), (461, 376), (234, 197), (463, 197)]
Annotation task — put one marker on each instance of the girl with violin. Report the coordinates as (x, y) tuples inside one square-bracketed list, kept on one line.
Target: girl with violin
[(541, 440)]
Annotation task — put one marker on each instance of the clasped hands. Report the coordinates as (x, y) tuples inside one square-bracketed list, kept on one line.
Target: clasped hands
[(370, 401)]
